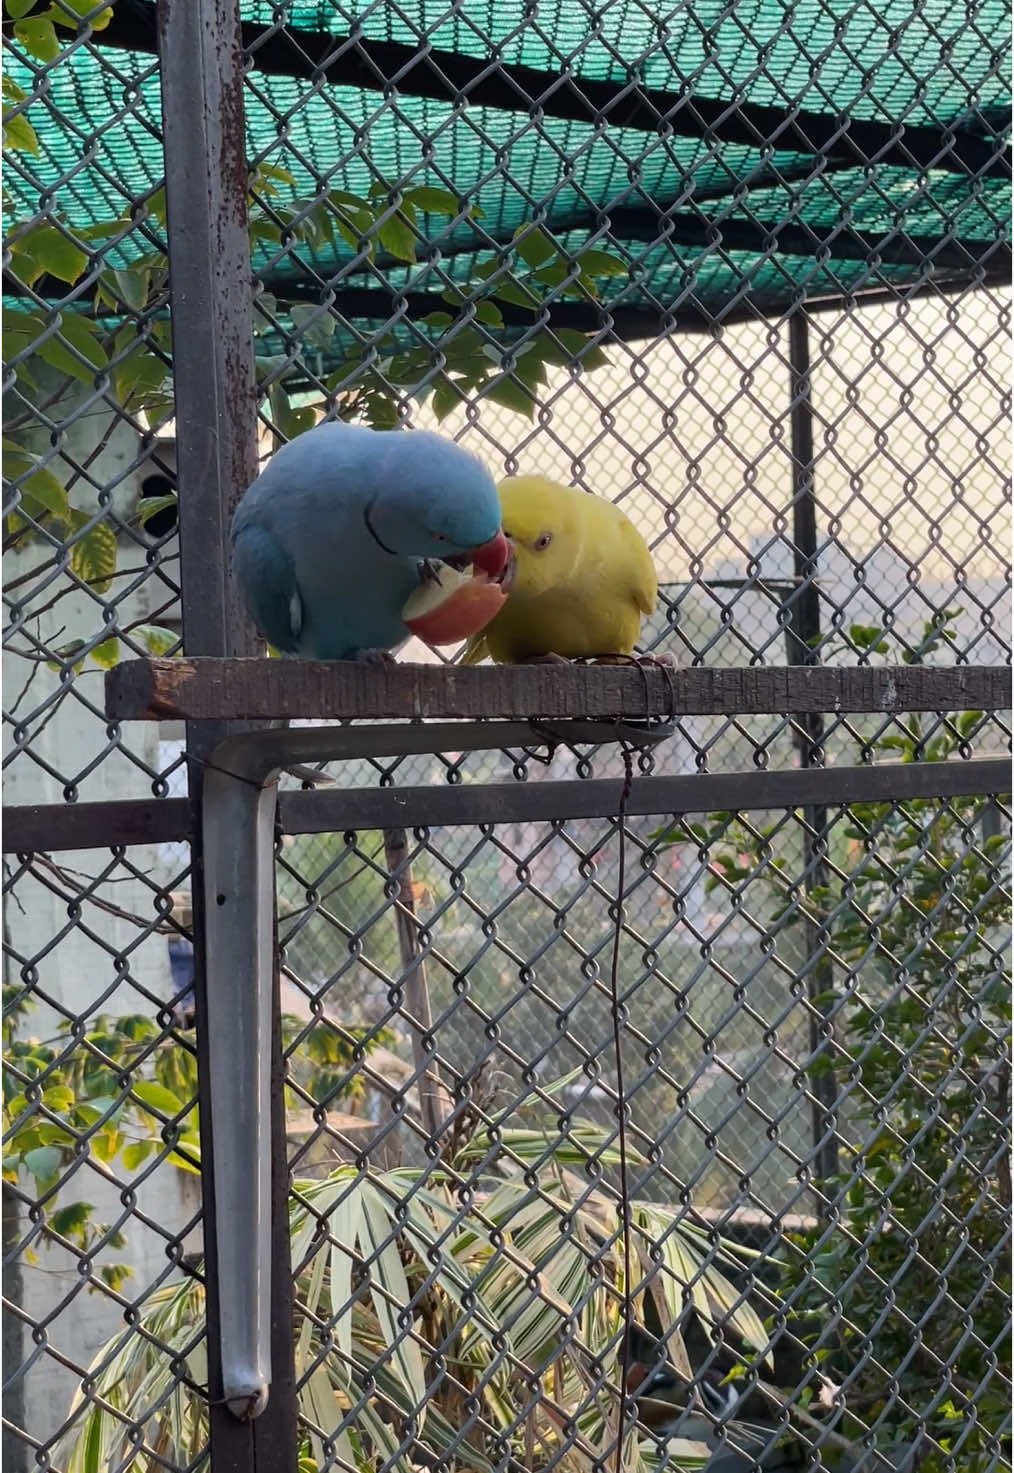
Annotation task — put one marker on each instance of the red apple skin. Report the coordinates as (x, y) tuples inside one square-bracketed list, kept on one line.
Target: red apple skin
[(463, 613)]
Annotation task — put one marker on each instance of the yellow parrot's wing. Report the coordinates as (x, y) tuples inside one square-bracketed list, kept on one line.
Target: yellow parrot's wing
[(643, 580)]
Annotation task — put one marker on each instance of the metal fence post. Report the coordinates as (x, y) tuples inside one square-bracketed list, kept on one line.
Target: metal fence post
[(802, 638), (216, 439)]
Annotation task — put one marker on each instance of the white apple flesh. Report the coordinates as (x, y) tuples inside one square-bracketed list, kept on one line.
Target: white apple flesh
[(453, 606)]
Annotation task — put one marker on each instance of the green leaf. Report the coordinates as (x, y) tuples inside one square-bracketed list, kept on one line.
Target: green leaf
[(105, 1144), (40, 491), (534, 245), (132, 285), (38, 36), (47, 250), (434, 201), (19, 135), (445, 399), (71, 1220), (157, 206), (93, 557), (530, 368), (863, 636), (190, 1142), (80, 334), (343, 198), (554, 273), (156, 640), (268, 174), (511, 290), (379, 1240), (315, 325), (116, 1274), (21, 329), (354, 224), (141, 380), (511, 395), (288, 420), (397, 237), (489, 313), (44, 1162), (156, 1097), (65, 655), (600, 263), (107, 654), (381, 412), (136, 1153), (80, 10), (150, 506), (565, 345)]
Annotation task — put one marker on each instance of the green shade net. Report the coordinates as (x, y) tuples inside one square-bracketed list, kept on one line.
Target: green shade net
[(736, 159)]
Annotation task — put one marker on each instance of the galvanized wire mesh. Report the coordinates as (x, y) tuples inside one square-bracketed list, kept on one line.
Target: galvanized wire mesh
[(814, 1052), (723, 1051)]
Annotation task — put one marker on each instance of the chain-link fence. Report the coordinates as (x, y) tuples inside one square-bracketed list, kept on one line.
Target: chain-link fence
[(689, 1119)]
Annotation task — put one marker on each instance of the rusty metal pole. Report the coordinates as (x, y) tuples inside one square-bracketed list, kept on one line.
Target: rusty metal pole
[(216, 438)]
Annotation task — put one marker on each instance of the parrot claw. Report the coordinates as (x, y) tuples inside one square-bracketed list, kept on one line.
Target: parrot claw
[(547, 659), (663, 662), (379, 659)]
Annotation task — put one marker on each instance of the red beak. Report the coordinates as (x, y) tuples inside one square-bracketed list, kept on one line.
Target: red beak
[(491, 558)]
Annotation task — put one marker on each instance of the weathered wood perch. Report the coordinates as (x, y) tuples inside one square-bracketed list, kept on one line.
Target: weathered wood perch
[(259, 690)]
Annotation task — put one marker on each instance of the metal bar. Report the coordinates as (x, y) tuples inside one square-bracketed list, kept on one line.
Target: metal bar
[(803, 637), (643, 322), (216, 454), (43, 828), (57, 826), (629, 323), (217, 690), (448, 76), (239, 940), (332, 810), (805, 607)]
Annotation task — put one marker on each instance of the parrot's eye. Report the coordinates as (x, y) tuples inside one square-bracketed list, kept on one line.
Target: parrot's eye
[(438, 537), (541, 543)]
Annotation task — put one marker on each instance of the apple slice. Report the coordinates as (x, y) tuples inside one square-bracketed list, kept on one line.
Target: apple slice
[(452, 607)]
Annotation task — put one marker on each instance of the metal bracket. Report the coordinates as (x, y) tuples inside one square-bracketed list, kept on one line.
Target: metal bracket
[(240, 788)]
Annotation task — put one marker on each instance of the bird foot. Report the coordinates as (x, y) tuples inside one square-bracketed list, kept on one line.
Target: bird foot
[(379, 659), (662, 662), (547, 659)]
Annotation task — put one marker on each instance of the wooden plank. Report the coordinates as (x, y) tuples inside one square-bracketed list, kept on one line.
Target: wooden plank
[(255, 689)]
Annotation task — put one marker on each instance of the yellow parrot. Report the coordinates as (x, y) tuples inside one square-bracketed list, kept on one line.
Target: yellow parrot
[(579, 580)]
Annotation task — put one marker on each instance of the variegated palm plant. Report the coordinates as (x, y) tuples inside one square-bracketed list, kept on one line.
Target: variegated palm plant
[(464, 1311)]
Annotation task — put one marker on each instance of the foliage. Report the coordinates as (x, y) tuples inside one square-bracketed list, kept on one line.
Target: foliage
[(108, 342), (124, 1091), (432, 1325), (916, 912)]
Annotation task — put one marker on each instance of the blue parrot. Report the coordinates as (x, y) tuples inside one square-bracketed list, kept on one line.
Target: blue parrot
[(335, 534)]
